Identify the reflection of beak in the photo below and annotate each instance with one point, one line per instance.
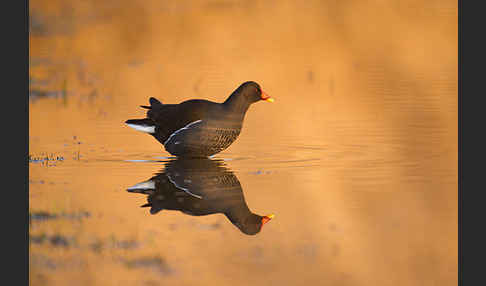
(266, 97)
(267, 218)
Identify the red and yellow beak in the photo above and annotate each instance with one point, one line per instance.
(266, 97)
(267, 218)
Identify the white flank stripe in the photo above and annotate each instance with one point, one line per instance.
(179, 130)
(147, 185)
(182, 188)
(143, 128)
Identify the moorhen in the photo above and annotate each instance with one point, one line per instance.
(200, 187)
(197, 127)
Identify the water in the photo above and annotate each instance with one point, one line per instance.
(357, 156)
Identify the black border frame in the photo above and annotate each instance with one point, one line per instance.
(459, 145)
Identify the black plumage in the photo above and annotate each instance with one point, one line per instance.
(200, 187)
(197, 127)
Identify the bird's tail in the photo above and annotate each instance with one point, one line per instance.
(144, 125)
(154, 104)
(153, 208)
(146, 187)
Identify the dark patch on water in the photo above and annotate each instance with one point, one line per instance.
(308, 250)
(205, 226)
(35, 94)
(59, 240)
(155, 263)
(254, 255)
(37, 238)
(34, 81)
(47, 25)
(44, 216)
(43, 261)
(125, 244)
(41, 216)
(99, 246)
(310, 76)
(56, 240)
(151, 283)
(38, 26)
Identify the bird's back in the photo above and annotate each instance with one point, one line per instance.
(196, 127)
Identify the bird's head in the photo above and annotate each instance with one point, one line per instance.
(253, 92)
(247, 93)
(254, 223)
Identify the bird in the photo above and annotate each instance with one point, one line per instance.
(199, 127)
(199, 187)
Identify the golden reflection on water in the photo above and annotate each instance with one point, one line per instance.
(357, 157)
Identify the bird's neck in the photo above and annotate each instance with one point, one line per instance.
(238, 213)
(237, 104)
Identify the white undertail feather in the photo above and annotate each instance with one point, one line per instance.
(147, 185)
(143, 128)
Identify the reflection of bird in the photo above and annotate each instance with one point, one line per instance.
(200, 187)
(199, 128)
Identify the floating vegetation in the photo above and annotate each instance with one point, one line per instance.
(54, 240)
(44, 159)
